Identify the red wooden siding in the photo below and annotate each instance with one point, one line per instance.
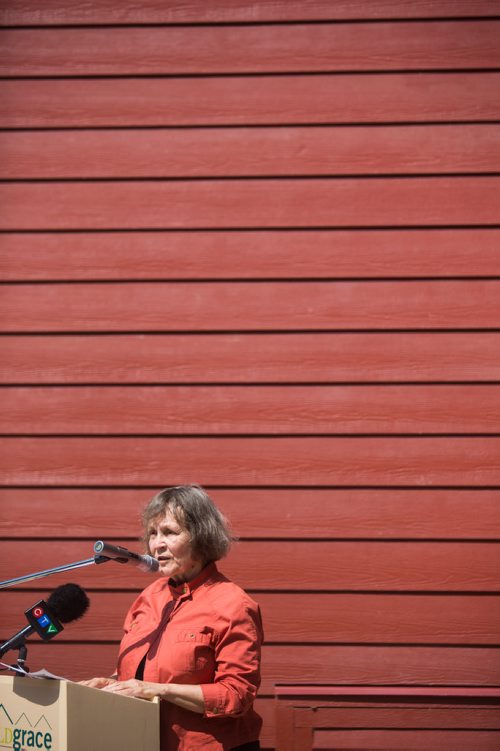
(251, 100)
(327, 717)
(258, 254)
(249, 358)
(265, 410)
(250, 49)
(255, 152)
(276, 513)
(61, 13)
(307, 461)
(412, 566)
(460, 740)
(251, 306)
(394, 618)
(256, 245)
(385, 665)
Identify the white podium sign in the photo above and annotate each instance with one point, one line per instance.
(52, 715)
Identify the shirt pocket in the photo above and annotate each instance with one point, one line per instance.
(192, 651)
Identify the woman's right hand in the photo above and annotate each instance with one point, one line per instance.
(97, 682)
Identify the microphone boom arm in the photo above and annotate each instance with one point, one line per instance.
(57, 570)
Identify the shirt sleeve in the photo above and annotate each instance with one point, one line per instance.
(237, 654)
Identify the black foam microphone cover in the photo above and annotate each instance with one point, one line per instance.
(68, 602)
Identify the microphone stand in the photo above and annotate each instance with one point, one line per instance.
(21, 668)
(23, 649)
(57, 570)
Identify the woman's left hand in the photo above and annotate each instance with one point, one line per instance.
(186, 696)
(137, 689)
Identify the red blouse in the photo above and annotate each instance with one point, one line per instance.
(207, 632)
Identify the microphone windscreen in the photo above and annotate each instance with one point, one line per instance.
(69, 602)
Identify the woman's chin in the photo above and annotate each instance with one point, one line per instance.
(166, 569)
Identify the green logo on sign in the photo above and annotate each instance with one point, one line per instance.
(19, 738)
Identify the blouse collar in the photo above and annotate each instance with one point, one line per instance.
(184, 588)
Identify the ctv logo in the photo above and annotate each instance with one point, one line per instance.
(22, 735)
(43, 621)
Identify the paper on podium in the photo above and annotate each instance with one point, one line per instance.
(36, 674)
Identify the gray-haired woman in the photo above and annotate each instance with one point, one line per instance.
(192, 638)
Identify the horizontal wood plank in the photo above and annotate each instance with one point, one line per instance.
(378, 665)
(305, 513)
(410, 740)
(429, 713)
(170, 50)
(328, 618)
(216, 204)
(240, 410)
(307, 461)
(251, 100)
(377, 618)
(299, 663)
(383, 715)
(58, 12)
(259, 254)
(252, 358)
(251, 306)
(338, 566)
(255, 152)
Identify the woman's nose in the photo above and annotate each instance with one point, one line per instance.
(159, 541)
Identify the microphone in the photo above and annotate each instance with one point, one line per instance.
(122, 555)
(65, 604)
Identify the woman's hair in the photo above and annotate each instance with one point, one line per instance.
(193, 509)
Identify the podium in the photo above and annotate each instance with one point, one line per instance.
(52, 715)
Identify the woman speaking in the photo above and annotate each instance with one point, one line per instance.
(192, 638)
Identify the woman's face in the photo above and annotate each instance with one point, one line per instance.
(170, 543)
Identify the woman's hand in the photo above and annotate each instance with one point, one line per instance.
(133, 687)
(97, 682)
(185, 696)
